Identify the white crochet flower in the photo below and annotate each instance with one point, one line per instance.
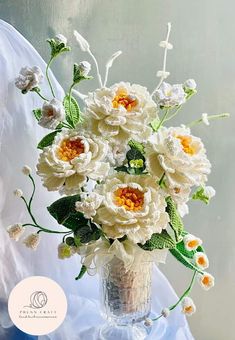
(206, 281)
(32, 241)
(178, 154)
(73, 156)
(117, 153)
(121, 112)
(52, 114)
(188, 306)
(29, 78)
(170, 95)
(15, 231)
(201, 260)
(191, 242)
(132, 206)
(89, 204)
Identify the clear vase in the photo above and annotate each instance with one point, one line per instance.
(126, 300)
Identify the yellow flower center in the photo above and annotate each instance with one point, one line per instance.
(193, 244)
(69, 149)
(188, 309)
(186, 142)
(127, 101)
(206, 280)
(201, 261)
(129, 198)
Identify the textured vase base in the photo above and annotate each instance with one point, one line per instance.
(129, 332)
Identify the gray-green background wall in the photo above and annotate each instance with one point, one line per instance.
(204, 49)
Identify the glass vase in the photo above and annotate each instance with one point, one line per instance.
(125, 300)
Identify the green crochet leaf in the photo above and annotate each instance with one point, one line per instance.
(63, 210)
(47, 140)
(176, 253)
(72, 111)
(37, 113)
(136, 145)
(155, 124)
(82, 272)
(175, 219)
(159, 241)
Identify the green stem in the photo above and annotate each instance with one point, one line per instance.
(174, 114)
(211, 117)
(42, 229)
(161, 179)
(162, 120)
(29, 210)
(70, 92)
(180, 106)
(40, 95)
(188, 290)
(32, 196)
(48, 78)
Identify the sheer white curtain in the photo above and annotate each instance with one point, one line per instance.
(19, 134)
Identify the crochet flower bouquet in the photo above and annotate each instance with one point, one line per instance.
(125, 180)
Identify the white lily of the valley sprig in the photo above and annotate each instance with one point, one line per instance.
(85, 47)
(109, 64)
(163, 74)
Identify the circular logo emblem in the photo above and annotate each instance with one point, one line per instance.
(37, 305)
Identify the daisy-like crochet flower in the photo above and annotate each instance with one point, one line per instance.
(201, 260)
(170, 95)
(132, 206)
(52, 114)
(206, 281)
(191, 242)
(121, 112)
(188, 306)
(73, 156)
(180, 155)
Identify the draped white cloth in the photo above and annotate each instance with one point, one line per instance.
(19, 134)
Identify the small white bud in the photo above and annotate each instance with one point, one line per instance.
(26, 170)
(32, 241)
(61, 39)
(165, 312)
(205, 119)
(15, 231)
(166, 44)
(163, 74)
(209, 191)
(18, 193)
(84, 68)
(190, 84)
(148, 322)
